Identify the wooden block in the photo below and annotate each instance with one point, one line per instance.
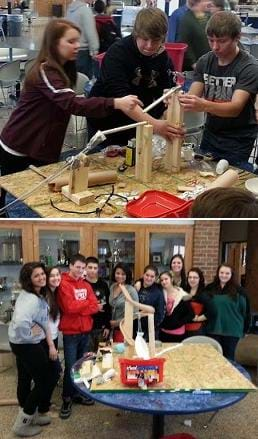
(128, 320)
(144, 153)
(138, 158)
(79, 175)
(80, 198)
(151, 335)
(181, 188)
(175, 115)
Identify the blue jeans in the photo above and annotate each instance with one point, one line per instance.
(74, 347)
(236, 151)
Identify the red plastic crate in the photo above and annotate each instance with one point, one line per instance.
(158, 204)
(132, 369)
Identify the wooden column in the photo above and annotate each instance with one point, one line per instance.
(143, 166)
(76, 190)
(175, 115)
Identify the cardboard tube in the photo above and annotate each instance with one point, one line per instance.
(6, 402)
(95, 179)
(225, 180)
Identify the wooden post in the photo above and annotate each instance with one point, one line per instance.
(151, 335)
(138, 156)
(126, 324)
(175, 116)
(143, 167)
(79, 175)
(76, 190)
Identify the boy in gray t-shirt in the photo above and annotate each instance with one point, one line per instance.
(225, 85)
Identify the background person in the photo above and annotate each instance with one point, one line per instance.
(27, 336)
(101, 320)
(140, 65)
(199, 302)
(231, 310)
(77, 303)
(121, 275)
(192, 32)
(53, 282)
(174, 23)
(150, 293)
(177, 268)
(108, 31)
(81, 14)
(178, 311)
(225, 86)
(35, 131)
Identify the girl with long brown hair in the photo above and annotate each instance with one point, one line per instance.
(230, 310)
(36, 129)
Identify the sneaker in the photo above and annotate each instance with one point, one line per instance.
(66, 409)
(84, 400)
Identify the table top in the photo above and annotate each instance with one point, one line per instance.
(165, 403)
(19, 183)
(17, 54)
(24, 42)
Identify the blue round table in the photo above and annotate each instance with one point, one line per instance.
(161, 403)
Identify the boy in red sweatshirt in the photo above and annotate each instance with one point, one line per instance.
(77, 303)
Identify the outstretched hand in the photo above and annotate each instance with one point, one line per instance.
(168, 131)
(127, 103)
(192, 102)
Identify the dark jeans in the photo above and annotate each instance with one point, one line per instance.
(235, 150)
(55, 372)
(10, 164)
(32, 364)
(228, 344)
(84, 63)
(95, 337)
(74, 347)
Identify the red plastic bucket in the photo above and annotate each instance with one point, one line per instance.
(176, 52)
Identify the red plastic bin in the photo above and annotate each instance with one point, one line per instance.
(150, 370)
(176, 52)
(158, 204)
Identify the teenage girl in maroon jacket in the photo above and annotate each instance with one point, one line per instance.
(36, 129)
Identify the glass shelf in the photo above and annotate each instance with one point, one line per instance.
(56, 248)
(114, 247)
(163, 246)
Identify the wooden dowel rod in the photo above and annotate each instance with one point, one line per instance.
(123, 128)
(37, 171)
(134, 125)
(161, 98)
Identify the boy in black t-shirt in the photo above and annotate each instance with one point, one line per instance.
(101, 320)
(225, 85)
(137, 64)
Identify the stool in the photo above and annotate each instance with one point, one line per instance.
(247, 350)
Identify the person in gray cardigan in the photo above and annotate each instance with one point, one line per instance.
(80, 13)
(32, 346)
(121, 275)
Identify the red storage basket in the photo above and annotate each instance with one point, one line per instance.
(132, 369)
(158, 204)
